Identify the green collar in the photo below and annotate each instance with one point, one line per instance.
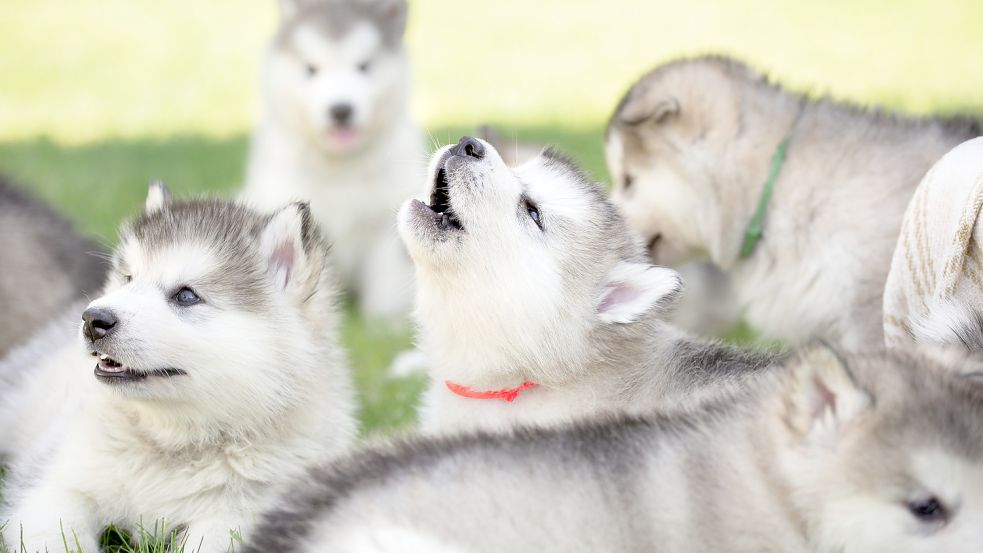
(755, 230)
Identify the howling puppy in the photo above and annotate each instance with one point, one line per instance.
(535, 302)
(825, 454)
(218, 380)
(799, 201)
(336, 131)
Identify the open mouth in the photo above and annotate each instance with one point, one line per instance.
(440, 203)
(111, 370)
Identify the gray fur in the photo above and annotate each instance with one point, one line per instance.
(335, 18)
(47, 264)
(231, 230)
(840, 195)
(706, 480)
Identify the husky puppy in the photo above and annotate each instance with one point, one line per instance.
(827, 455)
(218, 380)
(46, 265)
(690, 148)
(535, 302)
(336, 131)
(707, 307)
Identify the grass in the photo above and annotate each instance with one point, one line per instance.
(99, 96)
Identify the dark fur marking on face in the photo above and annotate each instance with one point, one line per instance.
(230, 232)
(338, 17)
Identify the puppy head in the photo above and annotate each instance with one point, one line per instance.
(336, 71)
(211, 305)
(668, 136)
(521, 269)
(885, 453)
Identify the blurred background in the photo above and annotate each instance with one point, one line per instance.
(98, 96)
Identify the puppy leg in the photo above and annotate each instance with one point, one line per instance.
(48, 518)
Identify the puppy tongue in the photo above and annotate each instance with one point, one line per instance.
(344, 136)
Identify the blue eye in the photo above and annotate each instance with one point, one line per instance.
(928, 510)
(533, 212)
(186, 297)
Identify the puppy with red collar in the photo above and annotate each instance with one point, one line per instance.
(536, 303)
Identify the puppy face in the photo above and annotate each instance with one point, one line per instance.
(207, 305)
(525, 262)
(337, 72)
(888, 453)
(658, 192)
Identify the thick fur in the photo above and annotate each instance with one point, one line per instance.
(573, 306)
(690, 148)
(261, 396)
(825, 456)
(952, 324)
(47, 264)
(339, 52)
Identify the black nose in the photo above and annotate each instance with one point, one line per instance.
(469, 146)
(98, 323)
(341, 113)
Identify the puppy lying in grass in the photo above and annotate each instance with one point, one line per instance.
(825, 455)
(217, 380)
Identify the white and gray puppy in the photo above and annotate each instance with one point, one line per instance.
(336, 131)
(827, 455)
(690, 148)
(707, 306)
(219, 380)
(47, 265)
(536, 303)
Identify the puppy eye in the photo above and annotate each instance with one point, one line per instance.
(533, 212)
(311, 70)
(628, 181)
(365, 66)
(186, 297)
(127, 278)
(928, 510)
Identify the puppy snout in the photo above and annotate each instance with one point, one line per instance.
(341, 113)
(98, 323)
(469, 146)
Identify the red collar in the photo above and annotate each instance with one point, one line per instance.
(507, 394)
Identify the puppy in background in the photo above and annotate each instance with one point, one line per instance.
(47, 265)
(799, 201)
(336, 131)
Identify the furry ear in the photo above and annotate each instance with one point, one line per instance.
(633, 289)
(283, 244)
(392, 16)
(823, 395)
(644, 107)
(158, 197)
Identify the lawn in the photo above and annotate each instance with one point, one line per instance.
(100, 96)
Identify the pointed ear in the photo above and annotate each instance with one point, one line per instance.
(648, 106)
(158, 197)
(283, 244)
(392, 16)
(823, 395)
(634, 289)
